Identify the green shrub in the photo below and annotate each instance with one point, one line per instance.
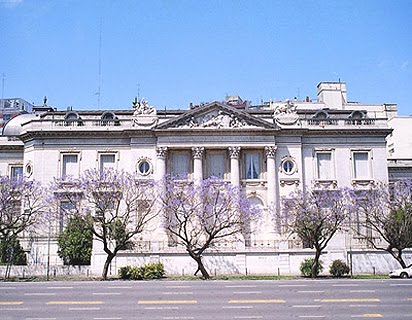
(75, 242)
(306, 267)
(125, 272)
(148, 271)
(338, 268)
(11, 252)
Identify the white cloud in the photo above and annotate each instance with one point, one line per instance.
(10, 3)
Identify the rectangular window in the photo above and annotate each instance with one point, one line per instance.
(180, 165)
(107, 161)
(67, 208)
(361, 165)
(16, 172)
(324, 165)
(216, 165)
(252, 165)
(70, 166)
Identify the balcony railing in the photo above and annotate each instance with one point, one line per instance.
(345, 122)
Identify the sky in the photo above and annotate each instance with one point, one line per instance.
(101, 54)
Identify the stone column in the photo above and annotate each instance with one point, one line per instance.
(234, 166)
(161, 163)
(197, 153)
(271, 175)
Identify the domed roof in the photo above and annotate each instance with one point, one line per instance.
(13, 127)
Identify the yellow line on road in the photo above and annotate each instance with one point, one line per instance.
(167, 302)
(258, 301)
(351, 300)
(372, 315)
(74, 302)
(10, 303)
(409, 299)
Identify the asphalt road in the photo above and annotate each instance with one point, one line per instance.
(174, 300)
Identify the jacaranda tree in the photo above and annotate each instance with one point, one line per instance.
(22, 204)
(116, 205)
(315, 216)
(200, 215)
(385, 213)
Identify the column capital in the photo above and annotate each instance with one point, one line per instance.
(197, 152)
(234, 152)
(161, 152)
(270, 151)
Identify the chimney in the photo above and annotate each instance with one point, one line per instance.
(332, 94)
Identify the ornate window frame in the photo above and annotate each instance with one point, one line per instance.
(288, 165)
(141, 161)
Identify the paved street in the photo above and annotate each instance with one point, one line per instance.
(167, 300)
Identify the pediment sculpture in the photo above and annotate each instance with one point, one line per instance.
(216, 119)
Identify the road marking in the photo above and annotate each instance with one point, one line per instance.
(237, 307)
(310, 291)
(10, 303)
(7, 288)
(363, 305)
(177, 292)
(293, 285)
(167, 302)
(307, 306)
(258, 301)
(84, 309)
(107, 318)
(241, 286)
(14, 309)
(409, 299)
(162, 308)
(177, 287)
(368, 315)
(106, 293)
(40, 318)
(58, 288)
(178, 318)
(120, 287)
(345, 285)
(400, 284)
(40, 294)
(362, 291)
(73, 302)
(246, 292)
(311, 316)
(248, 317)
(350, 300)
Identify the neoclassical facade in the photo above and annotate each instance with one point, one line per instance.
(267, 150)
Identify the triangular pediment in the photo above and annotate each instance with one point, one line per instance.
(216, 116)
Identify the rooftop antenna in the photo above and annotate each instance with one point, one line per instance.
(3, 75)
(138, 91)
(100, 65)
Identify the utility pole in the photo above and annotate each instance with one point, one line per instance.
(100, 66)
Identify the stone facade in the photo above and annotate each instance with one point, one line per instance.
(268, 150)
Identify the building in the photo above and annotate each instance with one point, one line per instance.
(268, 150)
(12, 107)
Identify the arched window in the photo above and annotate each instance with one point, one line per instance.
(71, 116)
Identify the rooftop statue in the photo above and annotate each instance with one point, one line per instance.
(142, 107)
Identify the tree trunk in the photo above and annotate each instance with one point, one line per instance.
(200, 266)
(107, 265)
(315, 266)
(398, 257)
